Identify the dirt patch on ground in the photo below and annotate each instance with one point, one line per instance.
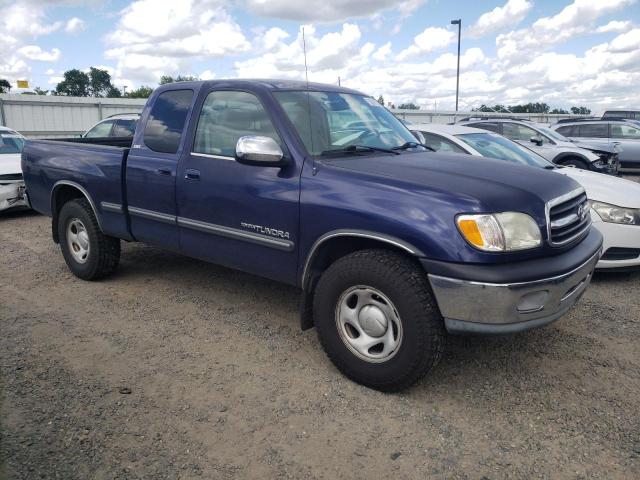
(174, 368)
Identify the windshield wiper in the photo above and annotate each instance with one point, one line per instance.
(359, 148)
(406, 146)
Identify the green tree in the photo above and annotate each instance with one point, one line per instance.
(580, 110)
(96, 83)
(381, 100)
(76, 83)
(530, 108)
(180, 78)
(39, 91)
(559, 110)
(140, 92)
(409, 106)
(5, 86)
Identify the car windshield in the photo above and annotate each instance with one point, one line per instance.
(11, 142)
(332, 122)
(553, 134)
(495, 146)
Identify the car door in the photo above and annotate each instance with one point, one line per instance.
(245, 217)
(629, 137)
(593, 134)
(151, 170)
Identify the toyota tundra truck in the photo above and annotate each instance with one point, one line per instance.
(392, 245)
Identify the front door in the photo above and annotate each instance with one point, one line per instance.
(244, 217)
(152, 167)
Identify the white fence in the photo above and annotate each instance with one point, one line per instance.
(50, 117)
(44, 116)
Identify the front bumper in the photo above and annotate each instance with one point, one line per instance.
(12, 195)
(483, 307)
(617, 238)
(609, 164)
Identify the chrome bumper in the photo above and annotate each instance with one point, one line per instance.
(493, 308)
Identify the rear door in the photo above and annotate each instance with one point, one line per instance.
(241, 216)
(628, 135)
(152, 167)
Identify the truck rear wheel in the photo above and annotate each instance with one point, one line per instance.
(377, 319)
(89, 253)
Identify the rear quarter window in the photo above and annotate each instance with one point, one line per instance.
(568, 131)
(594, 130)
(166, 121)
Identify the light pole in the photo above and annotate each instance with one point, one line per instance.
(459, 23)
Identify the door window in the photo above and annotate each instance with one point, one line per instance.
(625, 131)
(101, 130)
(225, 117)
(491, 126)
(568, 131)
(441, 144)
(519, 133)
(124, 128)
(594, 130)
(167, 120)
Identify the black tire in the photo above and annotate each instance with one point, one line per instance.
(103, 252)
(576, 162)
(407, 288)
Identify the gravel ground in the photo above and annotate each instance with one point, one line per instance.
(174, 368)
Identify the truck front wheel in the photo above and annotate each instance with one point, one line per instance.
(89, 253)
(377, 319)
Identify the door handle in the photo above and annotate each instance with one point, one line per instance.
(163, 171)
(192, 174)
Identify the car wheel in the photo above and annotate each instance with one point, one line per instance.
(576, 162)
(89, 253)
(377, 319)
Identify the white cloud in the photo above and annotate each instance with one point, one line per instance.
(383, 52)
(168, 34)
(575, 19)
(207, 75)
(615, 26)
(74, 25)
(512, 13)
(430, 40)
(21, 23)
(34, 52)
(327, 10)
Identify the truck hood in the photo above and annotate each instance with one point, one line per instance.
(494, 184)
(10, 163)
(605, 188)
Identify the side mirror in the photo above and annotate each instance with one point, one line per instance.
(537, 140)
(419, 136)
(260, 151)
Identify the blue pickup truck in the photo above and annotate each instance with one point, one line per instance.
(392, 245)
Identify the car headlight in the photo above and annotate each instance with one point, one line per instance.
(614, 214)
(500, 232)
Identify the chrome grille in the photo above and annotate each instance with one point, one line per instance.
(568, 218)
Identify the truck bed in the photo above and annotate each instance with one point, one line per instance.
(94, 165)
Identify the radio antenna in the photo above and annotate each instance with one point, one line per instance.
(304, 49)
(306, 74)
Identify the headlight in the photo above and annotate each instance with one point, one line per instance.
(614, 214)
(500, 232)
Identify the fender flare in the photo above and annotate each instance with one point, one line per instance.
(381, 237)
(82, 190)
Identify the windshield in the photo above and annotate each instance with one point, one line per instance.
(496, 146)
(11, 142)
(329, 122)
(553, 134)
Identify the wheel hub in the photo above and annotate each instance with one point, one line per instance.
(368, 324)
(78, 240)
(373, 320)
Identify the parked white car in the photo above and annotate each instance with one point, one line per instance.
(615, 202)
(11, 181)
